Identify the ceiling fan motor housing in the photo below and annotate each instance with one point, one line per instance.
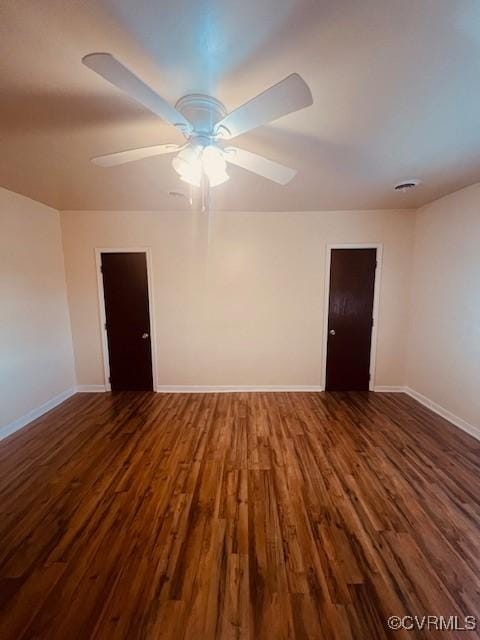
(203, 112)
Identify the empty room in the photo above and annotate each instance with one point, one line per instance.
(239, 319)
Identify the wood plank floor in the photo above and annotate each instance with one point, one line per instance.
(287, 515)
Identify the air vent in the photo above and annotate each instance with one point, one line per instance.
(407, 185)
(176, 194)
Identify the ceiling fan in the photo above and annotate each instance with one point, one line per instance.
(203, 120)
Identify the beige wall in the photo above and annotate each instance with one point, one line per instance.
(444, 343)
(36, 360)
(246, 308)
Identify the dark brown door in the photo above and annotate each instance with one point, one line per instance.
(125, 286)
(350, 319)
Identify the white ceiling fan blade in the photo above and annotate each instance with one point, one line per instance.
(130, 155)
(114, 72)
(258, 164)
(289, 95)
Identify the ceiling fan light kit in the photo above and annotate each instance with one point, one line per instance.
(206, 125)
(201, 160)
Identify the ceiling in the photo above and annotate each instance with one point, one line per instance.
(396, 88)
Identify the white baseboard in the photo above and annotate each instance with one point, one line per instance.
(90, 388)
(436, 408)
(171, 388)
(167, 388)
(444, 413)
(100, 388)
(35, 413)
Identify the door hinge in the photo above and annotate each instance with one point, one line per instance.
(109, 379)
(373, 322)
(105, 326)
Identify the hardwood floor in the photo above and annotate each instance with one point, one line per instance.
(287, 515)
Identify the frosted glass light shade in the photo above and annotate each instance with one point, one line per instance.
(194, 161)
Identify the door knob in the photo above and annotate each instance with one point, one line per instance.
(144, 336)
(332, 332)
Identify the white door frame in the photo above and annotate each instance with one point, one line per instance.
(376, 305)
(101, 306)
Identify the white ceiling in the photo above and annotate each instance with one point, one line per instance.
(396, 88)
